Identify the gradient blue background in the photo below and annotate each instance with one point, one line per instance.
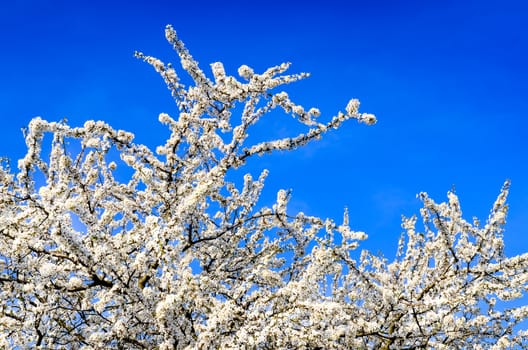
(447, 81)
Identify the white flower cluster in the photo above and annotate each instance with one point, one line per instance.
(180, 255)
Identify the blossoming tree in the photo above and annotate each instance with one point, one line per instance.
(180, 256)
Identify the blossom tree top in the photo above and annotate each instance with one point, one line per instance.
(178, 256)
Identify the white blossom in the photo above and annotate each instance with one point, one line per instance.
(245, 72)
(352, 106)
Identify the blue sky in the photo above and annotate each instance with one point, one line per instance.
(447, 82)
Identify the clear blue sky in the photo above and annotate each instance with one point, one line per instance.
(448, 83)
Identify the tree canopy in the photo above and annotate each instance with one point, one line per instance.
(180, 255)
